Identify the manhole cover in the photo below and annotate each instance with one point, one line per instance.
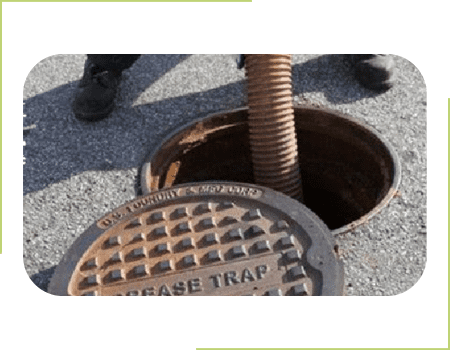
(213, 238)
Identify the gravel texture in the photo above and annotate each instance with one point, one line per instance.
(76, 172)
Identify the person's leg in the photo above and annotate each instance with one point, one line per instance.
(374, 72)
(113, 62)
(94, 98)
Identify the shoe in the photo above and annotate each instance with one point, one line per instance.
(374, 72)
(240, 61)
(95, 95)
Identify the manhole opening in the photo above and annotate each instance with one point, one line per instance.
(348, 171)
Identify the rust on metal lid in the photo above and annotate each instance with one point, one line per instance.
(213, 238)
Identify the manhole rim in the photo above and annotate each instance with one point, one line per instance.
(323, 242)
(396, 164)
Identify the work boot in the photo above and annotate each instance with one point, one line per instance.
(95, 95)
(240, 61)
(374, 72)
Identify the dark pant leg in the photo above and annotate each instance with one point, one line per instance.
(116, 63)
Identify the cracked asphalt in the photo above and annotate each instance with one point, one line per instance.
(76, 172)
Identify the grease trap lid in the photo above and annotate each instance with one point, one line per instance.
(212, 238)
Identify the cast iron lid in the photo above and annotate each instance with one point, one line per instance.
(212, 238)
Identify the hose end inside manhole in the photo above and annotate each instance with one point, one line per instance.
(349, 172)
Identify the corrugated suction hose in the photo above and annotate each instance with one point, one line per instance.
(273, 139)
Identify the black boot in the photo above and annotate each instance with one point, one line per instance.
(94, 98)
(374, 72)
(240, 61)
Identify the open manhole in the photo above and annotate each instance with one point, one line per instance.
(214, 238)
(348, 171)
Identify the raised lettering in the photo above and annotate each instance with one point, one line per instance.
(164, 291)
(148, 291)
(216, 280)
(261, 270)
(179, 288)
(190, 190)
(244, 191)
(210, 189)
(117, 215)
(247, 276)
(230, 278)
(218, 189)
(144, 201)
(195, 285)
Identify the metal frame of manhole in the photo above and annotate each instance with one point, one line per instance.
(163, 166)
(212, 238)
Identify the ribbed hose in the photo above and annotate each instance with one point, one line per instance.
(273, 140)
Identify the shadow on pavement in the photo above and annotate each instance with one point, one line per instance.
(332, 75)
(61, 146)
(42, 278)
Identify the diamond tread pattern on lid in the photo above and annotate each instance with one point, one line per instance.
(198, 245)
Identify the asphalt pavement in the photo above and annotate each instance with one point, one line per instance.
(76, 172)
